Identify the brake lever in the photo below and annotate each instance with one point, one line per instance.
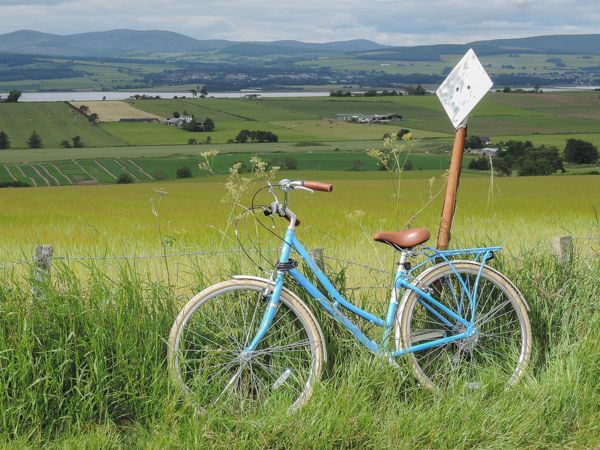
(272, 191)
(304, 189)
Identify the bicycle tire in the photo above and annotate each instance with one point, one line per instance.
(276, 369)
(414, 320)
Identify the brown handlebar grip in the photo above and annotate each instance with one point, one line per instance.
(318, 186)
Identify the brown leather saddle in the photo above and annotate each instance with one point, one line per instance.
(405, 239)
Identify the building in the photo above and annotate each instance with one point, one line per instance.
(365, 118)
(178, 121)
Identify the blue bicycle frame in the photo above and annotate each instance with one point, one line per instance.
(447, 316)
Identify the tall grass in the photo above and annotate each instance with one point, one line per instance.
(83, 365)
(83, 361)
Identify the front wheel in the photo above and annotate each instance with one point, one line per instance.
(207, 341)
(500, 345)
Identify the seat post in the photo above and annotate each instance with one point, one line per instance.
(404, 255)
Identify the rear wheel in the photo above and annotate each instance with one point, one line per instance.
(499, 348)
(207, 340)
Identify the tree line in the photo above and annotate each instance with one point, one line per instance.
(525, 159)
(35, 141)
(258, 136)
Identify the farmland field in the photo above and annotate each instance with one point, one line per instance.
(503, 213)
(113, 111)
(102, 324)
(53, 121)
(106, 169)
(82, 354)
(550, 117)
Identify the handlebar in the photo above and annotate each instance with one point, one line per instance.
(289, 185)
(286, 185)
(281, 212)
(318, 186)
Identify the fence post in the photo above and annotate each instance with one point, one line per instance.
(42, 260)
(318, 255)
(562, 247)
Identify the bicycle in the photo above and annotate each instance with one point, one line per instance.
(251, 340)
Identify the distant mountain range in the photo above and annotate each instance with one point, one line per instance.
(126, 43)
(576, 44)
(136, 43)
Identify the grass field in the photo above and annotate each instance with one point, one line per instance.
(86, 367)
(106, 170)
(550, 117)
(53, 121)
(497, 64)
(194, 207)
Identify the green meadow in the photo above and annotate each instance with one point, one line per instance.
(53, 121)
(83, 353)
(550, 117)
(86, 366)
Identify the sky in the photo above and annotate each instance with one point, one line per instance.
(406, 22)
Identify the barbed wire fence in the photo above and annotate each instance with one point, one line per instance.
(565, 249)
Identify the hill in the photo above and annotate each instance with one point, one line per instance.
(124, 42)
(583, 44)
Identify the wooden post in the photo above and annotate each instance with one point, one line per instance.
(318, 255)
(42, 260)
(562, 247)
(453, 180)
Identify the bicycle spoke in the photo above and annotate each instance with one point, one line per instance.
(495, 344)
(215, 370)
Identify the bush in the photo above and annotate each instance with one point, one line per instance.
(16, 184)
(482, 163)
(195, 126)
(13, 96)
(540, 161)
(209, 124)
(401, 133)
(580, 152)
(419, 90)
(77, 142)
(287, 163)
(125, 178)
(4, 140)
(526, 159)
(474, 142)
(259, 136)
(34, 141)
(159, 174)
(184, 172)
(356, 166)
(192, 141)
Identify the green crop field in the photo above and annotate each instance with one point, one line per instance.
(551, 117)
(499, 114)
(53, 121)
(506, 212)
(106, 170)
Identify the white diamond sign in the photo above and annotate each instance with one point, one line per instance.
(464, 87)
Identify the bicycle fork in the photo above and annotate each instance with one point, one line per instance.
(268, 315)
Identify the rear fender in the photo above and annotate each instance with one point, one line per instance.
(426, 272)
